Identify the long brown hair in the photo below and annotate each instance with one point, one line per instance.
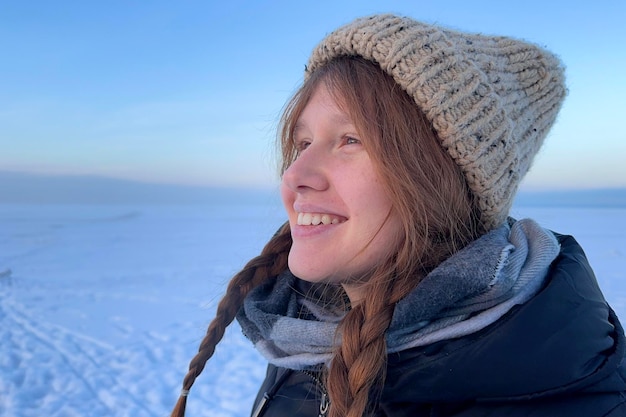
(429, 195)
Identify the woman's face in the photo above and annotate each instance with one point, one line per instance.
(341, 218)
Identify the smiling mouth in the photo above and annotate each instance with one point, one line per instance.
(314, 219)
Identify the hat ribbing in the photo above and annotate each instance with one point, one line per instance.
(491, 100)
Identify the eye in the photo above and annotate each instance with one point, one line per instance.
(301, 145)
(350, 140)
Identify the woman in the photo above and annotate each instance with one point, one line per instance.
(399, 286)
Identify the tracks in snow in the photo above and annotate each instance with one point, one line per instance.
(49, 370)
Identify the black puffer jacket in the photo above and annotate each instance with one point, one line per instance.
(559, 355)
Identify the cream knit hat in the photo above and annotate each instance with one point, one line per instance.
(491, 99)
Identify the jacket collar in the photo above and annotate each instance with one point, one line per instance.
(566, 338)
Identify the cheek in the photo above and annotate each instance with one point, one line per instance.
(382, 219)
(392, 233)
(369, 195)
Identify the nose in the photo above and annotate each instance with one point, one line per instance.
(307, 172)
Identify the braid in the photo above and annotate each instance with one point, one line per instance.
(271, 262)
(359, 363)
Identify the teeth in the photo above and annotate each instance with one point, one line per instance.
(315, 219)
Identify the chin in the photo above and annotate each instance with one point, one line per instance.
(306, 273)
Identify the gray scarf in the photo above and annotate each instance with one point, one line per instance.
(467, 292)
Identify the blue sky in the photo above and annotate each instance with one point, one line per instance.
(189, 92)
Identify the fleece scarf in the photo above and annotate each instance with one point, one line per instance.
(467, 292)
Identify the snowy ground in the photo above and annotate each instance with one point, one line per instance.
(101, 307)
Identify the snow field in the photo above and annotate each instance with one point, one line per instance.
(102, 307)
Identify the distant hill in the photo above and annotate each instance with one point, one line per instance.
(64, 189)
(25, 188)
(593, 198)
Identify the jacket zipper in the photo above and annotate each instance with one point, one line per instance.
(324, 401)
(268, 395)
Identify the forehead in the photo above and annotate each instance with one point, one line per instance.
(324, 105)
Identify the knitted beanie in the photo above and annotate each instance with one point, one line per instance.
(490, 99)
